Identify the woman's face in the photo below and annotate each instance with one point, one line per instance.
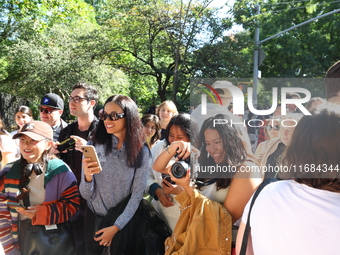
(176, 134)
(32, 150)
(214, 145)
(149, 129)
(115, 127)
(165, 114)
(22, 118)
(273, 129)
(287, 132)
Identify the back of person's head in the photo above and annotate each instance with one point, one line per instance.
(90, 92)
(316, 142)
(332, 81)
(169, 104)
(186, 125)
(134, 139)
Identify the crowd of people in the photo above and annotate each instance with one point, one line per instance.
(200, 176)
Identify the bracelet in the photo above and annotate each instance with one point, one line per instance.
(167, 150)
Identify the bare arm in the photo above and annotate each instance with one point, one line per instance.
(241, 189)
(239, 239)
(161, 163)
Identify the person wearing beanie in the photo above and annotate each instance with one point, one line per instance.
(51, 108)
(47, 190)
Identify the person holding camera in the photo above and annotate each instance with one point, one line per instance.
(221, 147)
(180, 130)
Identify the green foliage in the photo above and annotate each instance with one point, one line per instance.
(307, 51)
(54, 62)
(156, 39)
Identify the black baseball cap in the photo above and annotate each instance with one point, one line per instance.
(52, 100)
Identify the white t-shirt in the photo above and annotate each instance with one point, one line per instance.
(169, 214)
(211, 193)
(293, 218)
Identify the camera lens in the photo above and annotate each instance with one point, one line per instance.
(179, 169)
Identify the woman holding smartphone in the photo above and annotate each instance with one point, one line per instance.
(119, 143)
(46, 187)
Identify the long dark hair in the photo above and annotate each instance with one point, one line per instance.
(235, 153)
(134, 139)
(186, 124)
(315, 141)
(153, 118)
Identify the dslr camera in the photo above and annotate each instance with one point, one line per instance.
(179, 169)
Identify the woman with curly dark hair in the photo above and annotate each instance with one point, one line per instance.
(221, 147)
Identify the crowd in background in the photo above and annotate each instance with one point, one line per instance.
(58, 187)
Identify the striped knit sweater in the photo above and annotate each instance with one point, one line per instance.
(61, 200)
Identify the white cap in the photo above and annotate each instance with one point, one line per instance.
(222, 92)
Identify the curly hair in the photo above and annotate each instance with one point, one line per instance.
(232, 144)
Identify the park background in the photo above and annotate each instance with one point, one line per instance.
(150, 49)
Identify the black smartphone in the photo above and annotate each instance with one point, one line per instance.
(15, 205)
(66, 145)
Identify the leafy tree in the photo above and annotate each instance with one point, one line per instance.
(157, 39)
(307, 51)
(54, 62)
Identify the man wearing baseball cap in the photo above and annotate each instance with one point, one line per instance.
(51, 108)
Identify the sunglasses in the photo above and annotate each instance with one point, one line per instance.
(112, 116)
(276, 127)
(76, 99)
(47, 110)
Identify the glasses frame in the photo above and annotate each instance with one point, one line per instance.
(113, 116)
(28, 142)
(77, 99)
(47, 110)
(275, 127)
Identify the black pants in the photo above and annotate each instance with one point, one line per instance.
(77, 223)
(88, 229)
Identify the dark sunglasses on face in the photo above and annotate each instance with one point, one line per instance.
(46, 110)
(76, 99)
(276, 127)
(112, 116)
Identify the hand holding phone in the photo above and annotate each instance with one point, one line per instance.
(68, 144)
(14, 205)
(90, 152)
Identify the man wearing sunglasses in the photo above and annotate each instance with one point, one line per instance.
(51, 108)
(82, 102)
